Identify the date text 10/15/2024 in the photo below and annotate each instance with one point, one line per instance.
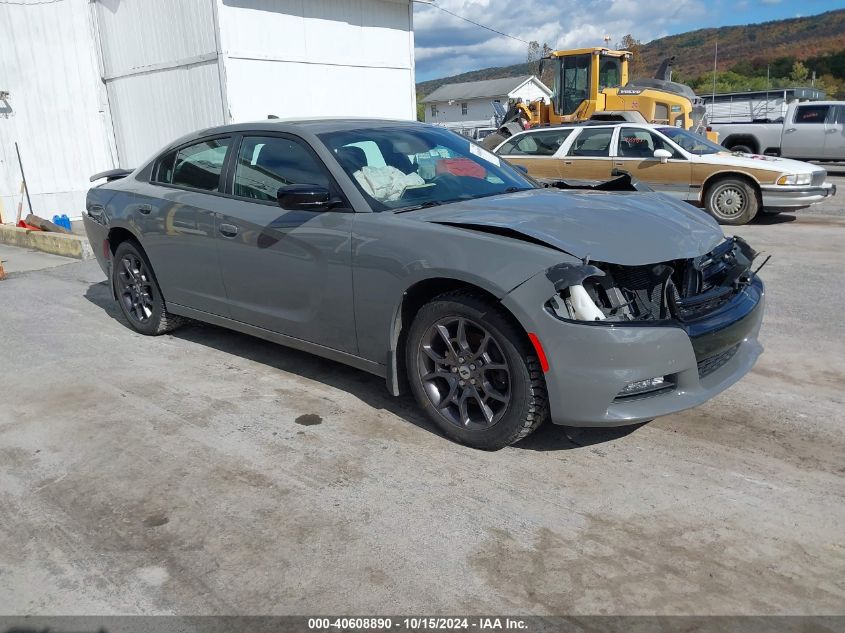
(417, 623)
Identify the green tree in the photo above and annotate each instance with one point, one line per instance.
(834, 87)
(799, 73)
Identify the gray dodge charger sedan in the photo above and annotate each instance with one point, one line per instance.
(412, 253)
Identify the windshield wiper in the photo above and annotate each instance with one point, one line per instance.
(422, 205)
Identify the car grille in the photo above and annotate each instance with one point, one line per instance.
(708, 365)
(818, 178)
(648, 293)
(702, 305)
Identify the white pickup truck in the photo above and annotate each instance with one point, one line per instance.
(812, 130)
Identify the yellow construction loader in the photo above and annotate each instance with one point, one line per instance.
(588, 81)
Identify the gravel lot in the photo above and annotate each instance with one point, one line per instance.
(207, 472)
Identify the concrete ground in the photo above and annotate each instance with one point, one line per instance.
(17, 260)
(207, 472)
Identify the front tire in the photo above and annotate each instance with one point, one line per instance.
(138, 293)
(742, 149)
(731, 201)
(473, 372)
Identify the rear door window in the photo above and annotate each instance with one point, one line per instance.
(535, 144)
(592, 142)
(811, 114)
(199, 166)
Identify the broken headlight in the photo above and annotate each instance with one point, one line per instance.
(611, 293)
(682, 290)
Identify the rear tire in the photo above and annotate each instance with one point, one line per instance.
(473, 372)
(731, 201)
(138, 294)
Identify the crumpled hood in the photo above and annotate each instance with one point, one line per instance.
(630, 229)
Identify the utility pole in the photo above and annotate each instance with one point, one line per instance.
(715, 62)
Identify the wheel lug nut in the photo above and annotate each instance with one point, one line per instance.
(461, 360)
(461, 383)
(472, 366)
(472, 381)
(454, 370)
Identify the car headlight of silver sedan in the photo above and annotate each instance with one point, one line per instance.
(795, 179)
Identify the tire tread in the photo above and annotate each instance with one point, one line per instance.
(167, 320)
(538, 406)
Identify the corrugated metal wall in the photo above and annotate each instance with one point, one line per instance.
(318, 58)
(139, 34)
(151, 110)
(107, 83)
(57, 111)
(160, 66)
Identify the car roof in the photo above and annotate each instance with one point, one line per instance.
(311, 125)
(593, 124)
(315, 125)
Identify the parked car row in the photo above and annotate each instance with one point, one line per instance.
(732, 187)
(410, 252)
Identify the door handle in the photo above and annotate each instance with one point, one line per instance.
(228, 230)
(792, 129)
(145, 209)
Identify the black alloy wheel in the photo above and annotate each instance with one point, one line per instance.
(134, 288)
(474, 372)
(464, 373)
(138, 293)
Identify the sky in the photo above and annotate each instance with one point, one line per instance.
(446, 45)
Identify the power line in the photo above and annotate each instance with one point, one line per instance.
(460, 17)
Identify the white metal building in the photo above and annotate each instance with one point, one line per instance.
(96, 84)
(469, 105)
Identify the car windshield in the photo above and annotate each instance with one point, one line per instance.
(404, 167)
(691, 142)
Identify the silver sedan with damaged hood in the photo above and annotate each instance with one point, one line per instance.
(410, 252)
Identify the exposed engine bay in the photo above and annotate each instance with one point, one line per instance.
(680, 290)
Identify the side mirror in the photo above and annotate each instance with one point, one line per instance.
(663, 154)
(305, 198)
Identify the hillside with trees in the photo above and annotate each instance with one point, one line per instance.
(787, 51)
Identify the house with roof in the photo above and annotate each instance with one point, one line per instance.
(469, 105)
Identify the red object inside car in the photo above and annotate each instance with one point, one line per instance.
(460, 167)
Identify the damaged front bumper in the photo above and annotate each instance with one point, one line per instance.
(591, 364)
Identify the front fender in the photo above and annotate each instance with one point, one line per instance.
(445, 279)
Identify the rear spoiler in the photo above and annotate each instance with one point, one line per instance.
(111, 174)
